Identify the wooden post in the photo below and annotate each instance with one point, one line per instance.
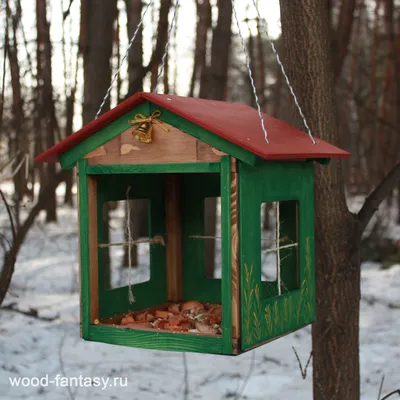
(93, 248)
(226, 253)
(174, 237)
(235, 252)
(84, 249)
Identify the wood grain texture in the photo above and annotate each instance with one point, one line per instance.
(79, 247)
(226, 254)
(173, 146)
(107, 133)
(100, 151)
(174, 237)
(205, 135)
(207, 153)
(156, 340)
(235, 252)
(93, 248)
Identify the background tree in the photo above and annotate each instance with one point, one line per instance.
(97, 51)
(338, 232)
(46, 114)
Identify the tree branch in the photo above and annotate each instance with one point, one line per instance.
(10, 256)
(32, 312)
(391, 394)
(66, 13)
(375, 198)
(10, 216)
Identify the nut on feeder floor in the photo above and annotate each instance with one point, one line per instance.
(176, 152)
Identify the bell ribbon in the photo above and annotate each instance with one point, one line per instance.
(140, 118)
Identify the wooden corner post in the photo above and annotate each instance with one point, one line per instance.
(174, 237)
(88, 248)
(235, 251)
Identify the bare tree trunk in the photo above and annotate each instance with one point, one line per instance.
(162, 37)
(306, 32)
(397, 100)
(46, 106)
(97, 52)
(135, 57)
(203, 26)
(4, 66)
(18, 236)
(335, 334)
(251, 53)
(220, 52)
(260, 76)
(17, 144)
(343, 34)
(69, 118)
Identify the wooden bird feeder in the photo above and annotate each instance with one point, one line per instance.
(176, 152)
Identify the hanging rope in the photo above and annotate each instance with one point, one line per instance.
(283, 72)
(250, 73)
(154, 240)
(287, 246)
(164, 57)
(123, 59)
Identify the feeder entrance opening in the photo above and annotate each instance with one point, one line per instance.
(174, 239)
(279, 247)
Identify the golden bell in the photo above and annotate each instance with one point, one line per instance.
(142, 132)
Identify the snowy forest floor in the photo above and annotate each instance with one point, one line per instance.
(46, 279)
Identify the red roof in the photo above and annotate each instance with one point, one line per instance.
(235, 122)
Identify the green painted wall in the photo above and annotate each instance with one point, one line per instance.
(264, 314)
(195, 188)
(153, 292)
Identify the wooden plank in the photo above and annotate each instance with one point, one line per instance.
(226, 254)
(149, 329)
(207, 153)
(153, 168)
(117, 127)
(206, 136)
(84, 248)
(152, 292)
(69, 158)
(93, 249)
(235, 252)
(172, 146)
(79, 246)
(174, 237)
(115, 321)
(156, 340)
(100, 151)
(265, 314)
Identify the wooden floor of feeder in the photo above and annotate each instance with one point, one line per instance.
(193, 318)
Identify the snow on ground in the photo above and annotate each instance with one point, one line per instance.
(46, 278)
